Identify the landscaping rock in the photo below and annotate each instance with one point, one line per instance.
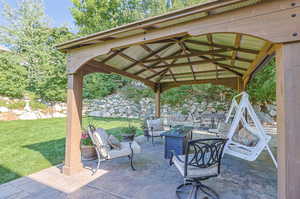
(3, 109)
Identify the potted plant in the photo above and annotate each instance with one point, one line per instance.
(88, 151)
(129, 132)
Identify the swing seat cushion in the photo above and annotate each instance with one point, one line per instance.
(245, 137)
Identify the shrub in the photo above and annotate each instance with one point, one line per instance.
(16, 105)
(37, 105)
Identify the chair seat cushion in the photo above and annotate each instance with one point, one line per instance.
(100, 137)
(245, 137)
(125, 150)
(114, 143)
(156, 125)
(192, 171)
(155, 133)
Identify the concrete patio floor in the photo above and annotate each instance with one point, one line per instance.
(153, 179)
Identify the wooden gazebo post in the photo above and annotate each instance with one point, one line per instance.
(288, 114)
(74, 107)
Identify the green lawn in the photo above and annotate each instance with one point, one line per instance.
(27, 146)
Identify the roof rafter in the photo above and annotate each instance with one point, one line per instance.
(148, 56)
(237, 43)
(173, 62)
(188, 55)
(134, 61)
(188, 58)
(210, 41)
(245, 50)
(207, 60)
(115, 53)
(163, 61)
(198, 72)
(109, 68)
(225, 57)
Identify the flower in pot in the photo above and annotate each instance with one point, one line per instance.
(88, 151)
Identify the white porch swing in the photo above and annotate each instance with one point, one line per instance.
(235, 118)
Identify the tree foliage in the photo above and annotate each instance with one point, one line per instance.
(27, 32)
(12, 75)
(262, 87)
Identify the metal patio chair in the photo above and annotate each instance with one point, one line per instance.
(201, 161)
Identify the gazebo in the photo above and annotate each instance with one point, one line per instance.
(222, 42)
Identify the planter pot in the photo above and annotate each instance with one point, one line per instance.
(88, 153)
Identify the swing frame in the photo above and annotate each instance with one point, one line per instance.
(239, 150)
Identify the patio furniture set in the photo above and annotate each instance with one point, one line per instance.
(195, 159)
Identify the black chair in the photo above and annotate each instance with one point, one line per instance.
(201, 162)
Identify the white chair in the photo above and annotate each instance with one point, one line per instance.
(155, 128)
(104, 152)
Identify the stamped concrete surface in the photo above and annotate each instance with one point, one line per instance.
(153, 179)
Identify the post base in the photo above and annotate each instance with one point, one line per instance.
(69, 171)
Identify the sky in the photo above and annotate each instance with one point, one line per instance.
(57, 10)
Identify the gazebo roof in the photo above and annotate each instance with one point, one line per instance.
(183, 58)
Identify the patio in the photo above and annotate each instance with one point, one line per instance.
(154, 178)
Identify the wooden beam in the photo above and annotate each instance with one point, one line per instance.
(238, 38)
(198, 72)
(163, 61)
(229, 82)
(210, 41)
(188, 59)
(91, 69)
(224, 66)
(158, 73)
(229, 68)
(245, 50)
(193, 63)
(236, 58)
(121, 72)
(259, 58)
(196, 54)
(147, 57)
(115, 53)
(194, 51)
(143, 70)
(134, 61)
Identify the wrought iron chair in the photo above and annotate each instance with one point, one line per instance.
(99, 139)
(201, 162)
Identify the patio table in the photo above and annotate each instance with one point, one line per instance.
(176, 140)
